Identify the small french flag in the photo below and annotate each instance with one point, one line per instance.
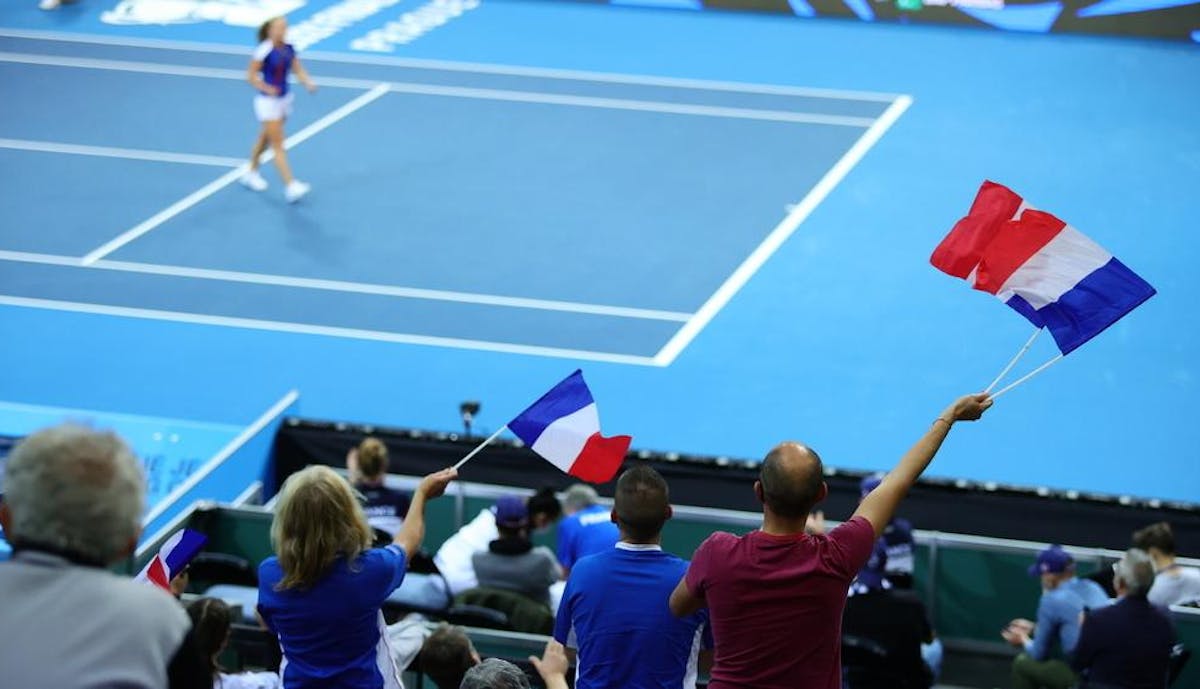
(564, 428)
(172, 558)
(1041, 267)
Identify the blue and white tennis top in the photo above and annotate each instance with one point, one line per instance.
(276, 63)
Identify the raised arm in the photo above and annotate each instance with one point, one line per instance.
(413, 532)
(880, 504)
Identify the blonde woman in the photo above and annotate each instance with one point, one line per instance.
(321, 593)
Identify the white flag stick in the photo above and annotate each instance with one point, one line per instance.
(1027, 376)
(482, 445)
(1015, 359)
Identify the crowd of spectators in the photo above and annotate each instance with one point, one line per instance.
(775, 608)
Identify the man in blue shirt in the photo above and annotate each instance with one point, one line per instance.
(587, 528)
(614, 609)
(1064, 600)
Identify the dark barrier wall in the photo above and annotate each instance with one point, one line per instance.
(1177, 19)
(950, 506)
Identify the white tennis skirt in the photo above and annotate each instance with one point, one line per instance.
(272, 108)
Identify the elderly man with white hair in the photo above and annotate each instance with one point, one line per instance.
(72, 507)
(587, 527)
(1126, 645)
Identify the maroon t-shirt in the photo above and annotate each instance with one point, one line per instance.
(775, 604)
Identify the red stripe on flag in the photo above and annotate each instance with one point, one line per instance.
(960, 251)
(601, 458)
(1021, 239)
(157, 574)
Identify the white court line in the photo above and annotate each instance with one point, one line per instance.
(228, 178)
(328, 331)
(352, 287)
(222, 456)
(471, 67)
(125, 153)
(781, 233)
(463, 92)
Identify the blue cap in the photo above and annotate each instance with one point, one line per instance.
(511, 511)
(1052, 560)
(869, 483)
(873, 575)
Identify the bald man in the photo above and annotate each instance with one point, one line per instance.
(775, 596)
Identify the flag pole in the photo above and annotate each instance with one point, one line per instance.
(480, 447)
(1014, 360)
(1027, 376)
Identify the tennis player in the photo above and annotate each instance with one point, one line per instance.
(268, 74)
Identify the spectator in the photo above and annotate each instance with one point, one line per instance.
(614, 608)
(211, 622)
(775, 596)
(512, 562)
(1064, 600)
(447, 656)
(897, 538)
(494, 673)
(1128, 644)
(587, 528)
(454, 558)
(321, 593)
(897, 621)
(385, 507)
(73, 502)
(1174, 584)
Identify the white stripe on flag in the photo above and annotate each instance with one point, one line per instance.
(1055, 269)
(563, 440)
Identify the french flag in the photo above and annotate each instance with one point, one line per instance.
(172, 558)
(564, 428)
(1043, 268)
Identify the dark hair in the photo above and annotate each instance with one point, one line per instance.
(265, 29)
(791, 491)
(1155, 536)
(446, 656)
(544, 502)
(642, 503)
(372, 458)
(210, 629)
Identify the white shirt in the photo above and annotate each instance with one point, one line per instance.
(454, 558)
(248, 680)
(1175, 586)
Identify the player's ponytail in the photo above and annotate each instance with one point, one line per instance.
(265, 29)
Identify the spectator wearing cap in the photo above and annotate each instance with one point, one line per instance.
(897, 538)
(72, 508)
(512, 562)
(1064, 600)
(1174, 583)
(454, 558)
(1128, 644)
(615, 610)
(586, 529)
(897, 621)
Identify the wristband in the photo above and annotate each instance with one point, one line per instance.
(946, 421)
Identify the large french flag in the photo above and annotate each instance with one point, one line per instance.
(1044, 269)
(564, 428)
(172, 558)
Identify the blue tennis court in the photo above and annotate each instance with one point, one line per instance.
(724, 218)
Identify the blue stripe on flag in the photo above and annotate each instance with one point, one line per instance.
(1098, 301)
(1017, 303)
(566, 398)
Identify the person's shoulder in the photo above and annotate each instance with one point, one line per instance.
(263, 49)
(155, 610)
(270, 569)
(596, 562)
(720, 541)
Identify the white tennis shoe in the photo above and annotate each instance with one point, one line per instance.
(296, 191)
(254, 180)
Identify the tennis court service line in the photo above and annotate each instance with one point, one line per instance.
(123, 153)
(230, 177)
(782, 232)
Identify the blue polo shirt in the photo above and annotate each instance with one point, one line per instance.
(1058, 616)
(331, 633)
(614, 610)
(587, 532)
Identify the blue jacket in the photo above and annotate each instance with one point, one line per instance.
(1059, 613)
